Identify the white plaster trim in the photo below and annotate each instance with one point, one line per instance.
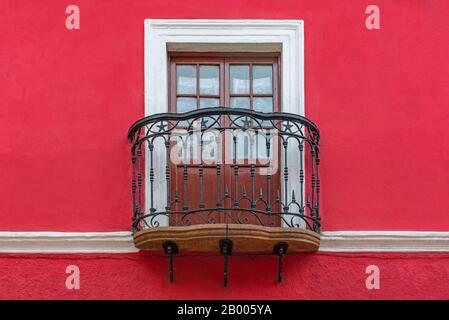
(122, 242)
(66, 242)
(159, 33)
(384, 241)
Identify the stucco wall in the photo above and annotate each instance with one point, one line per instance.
(379, 97)
(306, 276)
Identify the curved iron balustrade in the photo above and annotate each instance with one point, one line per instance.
(159, 138)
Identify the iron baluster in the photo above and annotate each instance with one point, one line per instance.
(316, 224)
(252, 171)
(236, 173)
(313, 184)
(139, 177)
(151, 148)
(135, 219)
(218, 168)
(184, 179)
(167, 174)
(301, 175)
(285, 145)
(200, 172)
(268, 145)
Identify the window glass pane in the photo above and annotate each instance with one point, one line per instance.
(239, 78)
(263, 105)
(262, 79)
(240, 102)
(209, 102)
(187, 148)
(185, 104)
(209, 80)
(242, 145)
(186, 79)
(261, 147)
(210, 148)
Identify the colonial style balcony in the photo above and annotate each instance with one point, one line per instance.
(225, 180)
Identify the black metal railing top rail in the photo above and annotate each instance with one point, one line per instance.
(225, 165)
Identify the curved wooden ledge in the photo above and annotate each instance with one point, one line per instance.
(246, 238)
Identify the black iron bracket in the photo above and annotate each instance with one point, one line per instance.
(170, 248)
(280, 249)
(225, 250)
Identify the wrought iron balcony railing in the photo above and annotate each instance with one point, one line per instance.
(224, 165)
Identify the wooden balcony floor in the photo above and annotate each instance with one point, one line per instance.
(246, 238)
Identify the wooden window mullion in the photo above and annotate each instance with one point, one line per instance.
(197, 86)
(251, 105)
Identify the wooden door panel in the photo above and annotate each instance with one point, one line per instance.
(189, 195)
(254, 197)
(193, 196)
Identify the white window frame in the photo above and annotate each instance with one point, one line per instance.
(229, 35)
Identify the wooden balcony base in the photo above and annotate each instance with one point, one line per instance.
(246, 238)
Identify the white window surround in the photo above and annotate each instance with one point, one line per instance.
(160, 33)
(230, 35)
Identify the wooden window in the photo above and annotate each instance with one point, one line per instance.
(230, 81)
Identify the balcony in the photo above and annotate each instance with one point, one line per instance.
(225, 179)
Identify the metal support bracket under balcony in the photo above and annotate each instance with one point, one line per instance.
(225, 250)
(170, 248)
(280, 249)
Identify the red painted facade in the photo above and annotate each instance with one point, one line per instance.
(307, 276)
(379, 97)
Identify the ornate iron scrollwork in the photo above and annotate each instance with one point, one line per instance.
(291, 190)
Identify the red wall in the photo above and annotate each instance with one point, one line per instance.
(380, 98)
(306, 276)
